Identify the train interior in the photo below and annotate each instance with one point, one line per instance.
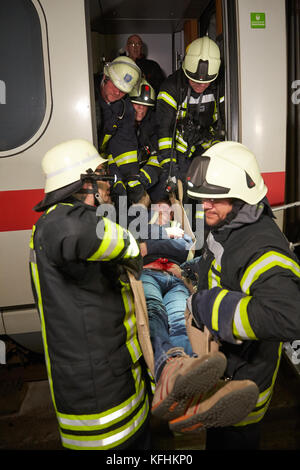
(166, 28)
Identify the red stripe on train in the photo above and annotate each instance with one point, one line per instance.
(17, 209)
(276, 187)
(17, 213)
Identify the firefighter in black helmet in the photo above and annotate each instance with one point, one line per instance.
(144, 101)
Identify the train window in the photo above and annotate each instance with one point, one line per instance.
(23, 90)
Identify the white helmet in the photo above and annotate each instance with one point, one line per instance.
(226, 170)
(65, 163)
(143, 93)
(123, 72)
(202, 60)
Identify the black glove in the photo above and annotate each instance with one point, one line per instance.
(119, 189)
(135, 193)
(133, 265)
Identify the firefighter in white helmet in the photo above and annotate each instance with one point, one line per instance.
(77, 264)
(115, 124)
(248, 292)
(189, 108)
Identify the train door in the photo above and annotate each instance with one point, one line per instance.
(45, 98)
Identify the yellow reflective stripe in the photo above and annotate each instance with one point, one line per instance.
(241, 325)
(165, 143)
(146, 174)
(181, 148)
(193, 148)
(100, 421)
(180, 139)
(215, 311)
(127, 157)
(108, 440)
(153, 161)
(51, 209)
(36, 282)
(121, 183)
(55, 206)
(134, 183)
(133, 248)
(111, 244)
(215, 113)
(253, 417)
(214, 279)
(130, 323)
(110, 160)
(264, 398)
(167, 160)
(104, 142)
(163, 95)
(264, 263)
(31, 244)
(207, 144)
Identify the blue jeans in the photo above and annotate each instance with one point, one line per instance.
(166, 297)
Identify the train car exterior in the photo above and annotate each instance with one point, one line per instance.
(47, 96)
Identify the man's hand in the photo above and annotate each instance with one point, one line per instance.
(143, 249)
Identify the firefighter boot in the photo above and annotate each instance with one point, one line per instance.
(225, 405)
(182, 378)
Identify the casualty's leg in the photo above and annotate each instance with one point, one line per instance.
(158, 320)
(175, 303)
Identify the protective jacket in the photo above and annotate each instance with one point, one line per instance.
(196, 118)
(147, 137)
(249, 297)
(88, 325)
(116, 137)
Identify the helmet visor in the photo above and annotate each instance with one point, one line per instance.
(197, 185)
(201, 74)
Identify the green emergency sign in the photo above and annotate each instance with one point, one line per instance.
(258, 20)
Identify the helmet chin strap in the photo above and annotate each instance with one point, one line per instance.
(98, 199)
(94, 191)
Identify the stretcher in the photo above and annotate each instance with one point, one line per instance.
(201, 341)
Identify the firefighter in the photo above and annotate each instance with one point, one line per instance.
(188, 109)
(248, 292)
(143, 99)
(78, 261)
(181, 374)
(115, 124)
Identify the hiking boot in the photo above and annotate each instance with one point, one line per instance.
(182, 378)
(227, 406)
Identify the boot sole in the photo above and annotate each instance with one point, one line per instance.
(230, 409)
(197, 381)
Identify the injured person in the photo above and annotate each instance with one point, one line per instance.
(185, 382)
